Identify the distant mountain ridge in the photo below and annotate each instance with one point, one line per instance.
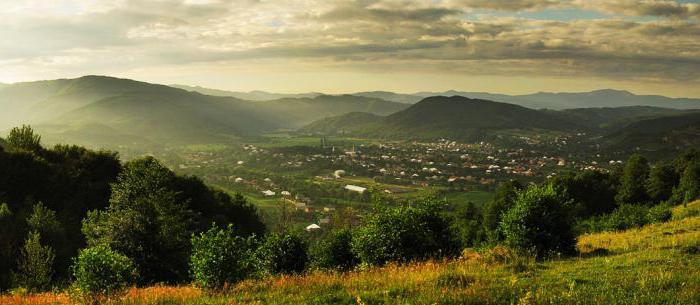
(541, 100)
(255, 95)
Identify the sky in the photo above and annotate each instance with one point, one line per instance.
(333, 46)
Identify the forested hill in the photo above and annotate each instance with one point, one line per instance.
(451, 117)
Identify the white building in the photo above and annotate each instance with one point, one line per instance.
(355, 188)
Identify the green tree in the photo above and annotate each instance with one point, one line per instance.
(24, 138)
(44, 221)
(688, 188)
(662, 179)
(503, 200)
(540, 221)
(153, 213)
(220, 257)
(35, 265)
(405, 233)
(633, 181)
(101, 271)
(591, 192)
(283, 253)
(334, 251)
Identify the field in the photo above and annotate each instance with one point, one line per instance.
(656, 264)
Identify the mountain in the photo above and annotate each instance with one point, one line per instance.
(453, 117)
(255, 95)
(346, 123)
(616, 117)
(391, 96)
(658, 135)
(297, 112)
(598, 98)
(104, 110)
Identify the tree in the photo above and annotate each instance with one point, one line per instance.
(153, 213)
(540, 221)
(222, 256)
(146, 221)
(283, 253)
(35, 265)
(334, 251)
(633, 181)
(503, 200)
(405, 233)
(101, 271)
(688, 188)
(24, 138)
(662, 179)
(591, 192)
(44, 221)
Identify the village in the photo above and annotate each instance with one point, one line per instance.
(312, 182)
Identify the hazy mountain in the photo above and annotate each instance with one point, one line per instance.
(346, 123)
(297, 112)
(598, 98)
(105, 110)
(453, 117)
(250, 96)
(391, 96)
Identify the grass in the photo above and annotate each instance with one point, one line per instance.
(655, 264)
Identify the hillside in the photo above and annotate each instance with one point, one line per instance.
(391, 96)
(616, 117)
(656, 264)
(453, 117)
(658, 135)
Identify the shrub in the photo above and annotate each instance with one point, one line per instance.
(539, 221)
(335, 251)
(35, 265)
(627, 216)
(404, 234)
(659, 213)
(220, 257)
(100, 270)
(283, 254)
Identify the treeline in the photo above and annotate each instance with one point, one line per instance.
(55, 201)
(634, 194)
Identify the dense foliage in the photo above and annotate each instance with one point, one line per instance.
(403, 234)
(221, 256)
(100, 270)
(283, 253)
(540, 221)
(334, 251)
(35, 265)
(152, 214)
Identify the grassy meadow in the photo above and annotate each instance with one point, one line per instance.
(655, 264)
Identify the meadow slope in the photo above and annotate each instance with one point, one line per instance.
(656, 264)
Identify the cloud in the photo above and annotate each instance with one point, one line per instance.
(365, 35)
(659, 8)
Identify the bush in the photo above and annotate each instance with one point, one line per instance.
(627, 216)
(102, 271)
(404, 234)
(539, 221)
(35, 265)
(335, 251)
(283, 254)
(220, 257)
